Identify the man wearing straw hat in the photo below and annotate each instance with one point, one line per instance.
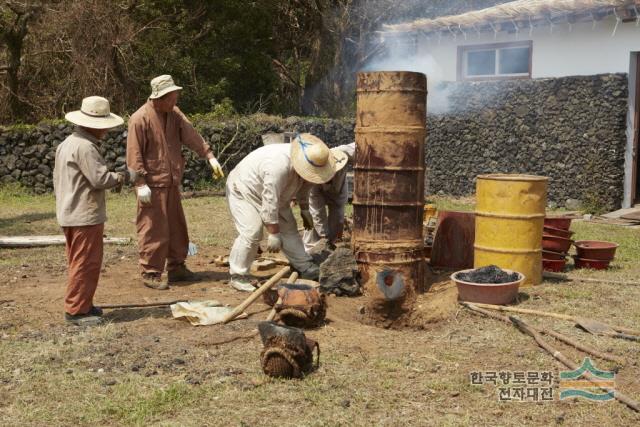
(327, 201)
(259, 193)
(157, 132)
(80, 178)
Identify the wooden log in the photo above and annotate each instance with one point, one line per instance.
(255, 295)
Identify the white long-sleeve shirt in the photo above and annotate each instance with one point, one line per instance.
(267, 178)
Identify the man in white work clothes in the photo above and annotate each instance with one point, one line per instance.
(259, 193)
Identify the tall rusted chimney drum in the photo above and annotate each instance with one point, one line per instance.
(388, 200)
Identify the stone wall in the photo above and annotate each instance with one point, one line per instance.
(27, 155)
(569, 129)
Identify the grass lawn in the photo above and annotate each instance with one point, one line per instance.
(145, 368)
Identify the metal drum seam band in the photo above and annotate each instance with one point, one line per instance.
(508, 216)
(508, 251)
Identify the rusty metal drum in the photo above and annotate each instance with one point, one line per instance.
(388, 200)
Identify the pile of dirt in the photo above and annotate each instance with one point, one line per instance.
(488, 275)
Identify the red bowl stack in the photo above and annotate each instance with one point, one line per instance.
(556, 241)
(594, 254)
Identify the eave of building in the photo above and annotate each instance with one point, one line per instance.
(520, 15)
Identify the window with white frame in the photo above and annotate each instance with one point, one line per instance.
(495, 61)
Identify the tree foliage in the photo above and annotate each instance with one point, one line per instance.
(277, 56)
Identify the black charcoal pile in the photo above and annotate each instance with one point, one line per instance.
(488, 275)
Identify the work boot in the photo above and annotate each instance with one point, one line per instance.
(181, 274)
(87, 319)
(311, 273)
(95, 311)
(154, 281)
(242, 283)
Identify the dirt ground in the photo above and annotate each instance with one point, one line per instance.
(144, 367)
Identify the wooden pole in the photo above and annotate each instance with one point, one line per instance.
(530, 330)
(255, 295)
(555, 315)
(557, 335)
(619, 396)
(272, 314)
(566, 277)
(140, 305)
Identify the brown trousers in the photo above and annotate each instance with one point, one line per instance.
(84, 257)
(162, 231)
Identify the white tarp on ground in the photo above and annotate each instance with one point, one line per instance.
(202, 313)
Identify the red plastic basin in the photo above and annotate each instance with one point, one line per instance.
(555, 243)
(596, 250)
(558, 222)
(558, 232)
(556, 265)
(497, 293)
(596, 264)
(554, 255)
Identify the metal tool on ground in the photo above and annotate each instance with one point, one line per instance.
(256, 294)
(531, 331)
(590, 325)
(557, 335)
(272, 313)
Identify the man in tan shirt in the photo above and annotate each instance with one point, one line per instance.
(80, 177)
(157, 132)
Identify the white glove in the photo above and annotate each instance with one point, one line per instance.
(274, 242)
(307, 219)
(217, 169)
(144, 194)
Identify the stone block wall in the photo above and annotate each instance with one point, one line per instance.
(571, 129)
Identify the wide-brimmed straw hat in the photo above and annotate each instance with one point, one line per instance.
(162, 85)
(312, 159)
(340, 158)
(94, 113)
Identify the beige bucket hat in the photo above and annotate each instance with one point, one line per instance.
(162, 85)
(94, 113)
(312, 159)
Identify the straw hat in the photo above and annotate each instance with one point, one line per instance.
(95, 114)
(312, 159)
(162, 85)
(340, 158)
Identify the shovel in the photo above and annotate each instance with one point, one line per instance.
(598, 328)
(590, 325)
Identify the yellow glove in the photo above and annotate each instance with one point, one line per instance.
(217, 169)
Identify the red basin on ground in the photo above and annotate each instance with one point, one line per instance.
(554, 255)
(556, 265)
(596, 264)
(558, 222)
(596, 250)
(497, 293)
(558, 232)
(555, 243)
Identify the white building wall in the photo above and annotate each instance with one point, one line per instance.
(583, 49)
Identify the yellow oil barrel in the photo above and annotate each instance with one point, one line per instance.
(510, 213)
